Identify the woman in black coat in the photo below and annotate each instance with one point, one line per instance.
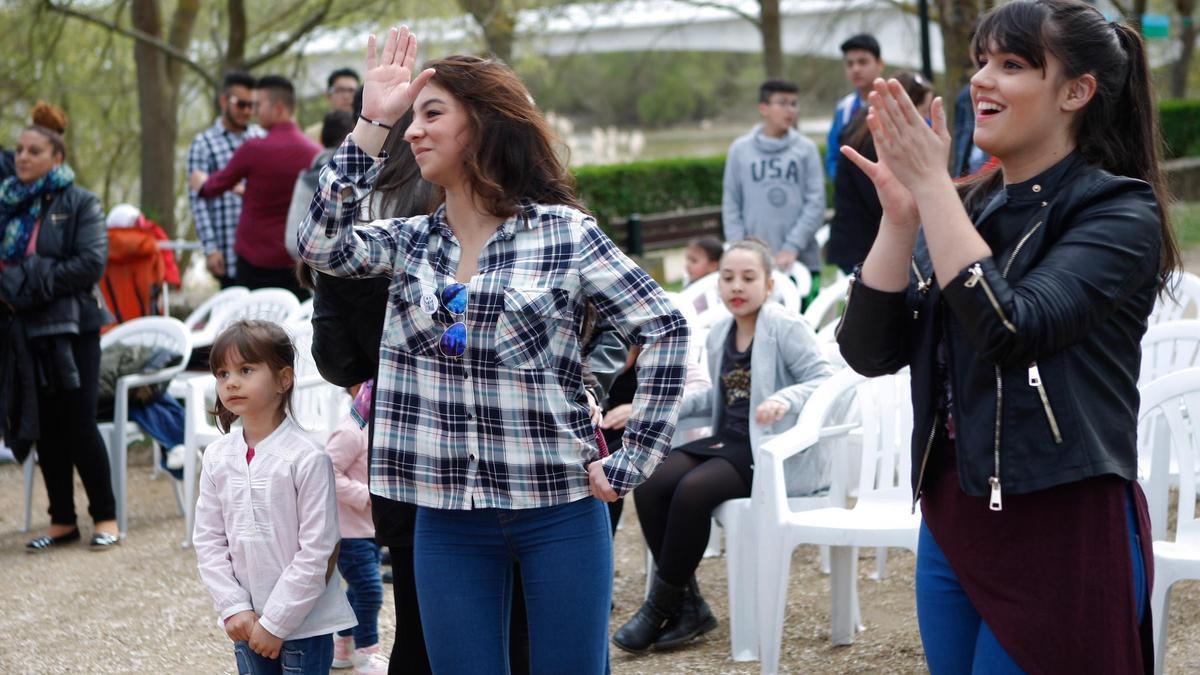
(53, 254)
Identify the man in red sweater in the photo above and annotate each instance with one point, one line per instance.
(269, 166)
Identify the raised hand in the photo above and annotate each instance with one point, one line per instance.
(916, 154)
(389, 87)
(899, 207)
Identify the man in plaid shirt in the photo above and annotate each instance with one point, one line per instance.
(216, 219)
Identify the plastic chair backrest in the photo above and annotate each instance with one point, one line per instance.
(704, 300)
(265, 304)
(304, 312)
(828, 305)
(152, 331)
(1186, 305)
(787, 292)
(885, 404)
(202, 314)
(1169, 347)
(1174, 400)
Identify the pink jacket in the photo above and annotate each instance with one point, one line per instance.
(347, 447)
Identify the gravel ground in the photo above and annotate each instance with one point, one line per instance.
(141, 609)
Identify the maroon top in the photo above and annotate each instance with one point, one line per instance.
(270, 166)
(1050, 573)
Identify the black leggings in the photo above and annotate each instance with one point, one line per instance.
(675, 507)
(70, 439)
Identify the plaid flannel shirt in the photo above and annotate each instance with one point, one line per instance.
(216, 219)
(506, 425)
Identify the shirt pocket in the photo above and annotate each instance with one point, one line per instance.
(535, 323)
(410, 328)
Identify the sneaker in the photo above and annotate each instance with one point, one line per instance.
(343, 651)
(370, 661)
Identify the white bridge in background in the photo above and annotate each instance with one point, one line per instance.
(812, 27)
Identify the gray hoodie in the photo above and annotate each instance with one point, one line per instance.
(775, 190)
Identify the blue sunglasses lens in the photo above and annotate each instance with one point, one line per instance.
(454, 298)
(454, 340)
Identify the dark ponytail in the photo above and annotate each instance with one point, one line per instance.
(1118, 129)
(1137, 125)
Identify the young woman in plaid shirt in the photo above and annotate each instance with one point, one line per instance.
(481, 417)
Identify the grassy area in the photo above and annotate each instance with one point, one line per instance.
(1185, 217)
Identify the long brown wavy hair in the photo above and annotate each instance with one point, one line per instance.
(510, 156)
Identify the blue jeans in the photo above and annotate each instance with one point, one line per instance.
(464, 571)
(358, 561)
(955, 637)
(309, 656)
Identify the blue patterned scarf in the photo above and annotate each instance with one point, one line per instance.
(21, 206)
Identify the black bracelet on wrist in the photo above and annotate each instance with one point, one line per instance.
(375, 123)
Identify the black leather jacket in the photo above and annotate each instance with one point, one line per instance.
(1042, 340)
(54, 291)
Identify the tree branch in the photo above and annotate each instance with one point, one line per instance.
(284, 44)
(717, 5)
(137, 35)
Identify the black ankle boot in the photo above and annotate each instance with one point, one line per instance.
(695, 619)
(661, 606)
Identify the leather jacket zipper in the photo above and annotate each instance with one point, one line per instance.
(923, 284)
(995, 502)
(924, 462)
(1035, 380)
(977, 277)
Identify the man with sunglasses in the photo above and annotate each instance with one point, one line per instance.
(216, 218)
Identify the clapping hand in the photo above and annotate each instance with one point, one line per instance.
(389, 87)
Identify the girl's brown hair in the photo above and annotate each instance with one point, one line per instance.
(253, 341)
(510, 156)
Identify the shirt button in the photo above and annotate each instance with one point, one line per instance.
(471, 457)
(471, 416)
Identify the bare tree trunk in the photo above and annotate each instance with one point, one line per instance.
(1187, 47)
(498, 23)
(772, 37)
(156, 98)
(957, 19)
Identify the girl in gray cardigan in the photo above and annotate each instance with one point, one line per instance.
(764, 361)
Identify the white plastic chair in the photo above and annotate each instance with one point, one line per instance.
(1169, 347)
(200, 322)
(826, 308)
(790, 293)
(152, 331)
(1174, 399)
(264, 304)
(881, 517)
(1186, 305)
(1166, 348)
(303, 313)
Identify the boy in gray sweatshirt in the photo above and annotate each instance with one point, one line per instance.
(774, 187)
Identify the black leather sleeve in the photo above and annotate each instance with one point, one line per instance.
(347, 327)
(606, 359)
(1109, 249)
(873, 334)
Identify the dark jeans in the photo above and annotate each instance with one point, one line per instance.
(307, 656)
(70, 439)
(675, 507)
(394, 524)
(358, 561)
(464, 569)
(264, 277)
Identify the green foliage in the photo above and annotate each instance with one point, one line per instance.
(1185, 218)
(1180, 121)
(618, 190)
